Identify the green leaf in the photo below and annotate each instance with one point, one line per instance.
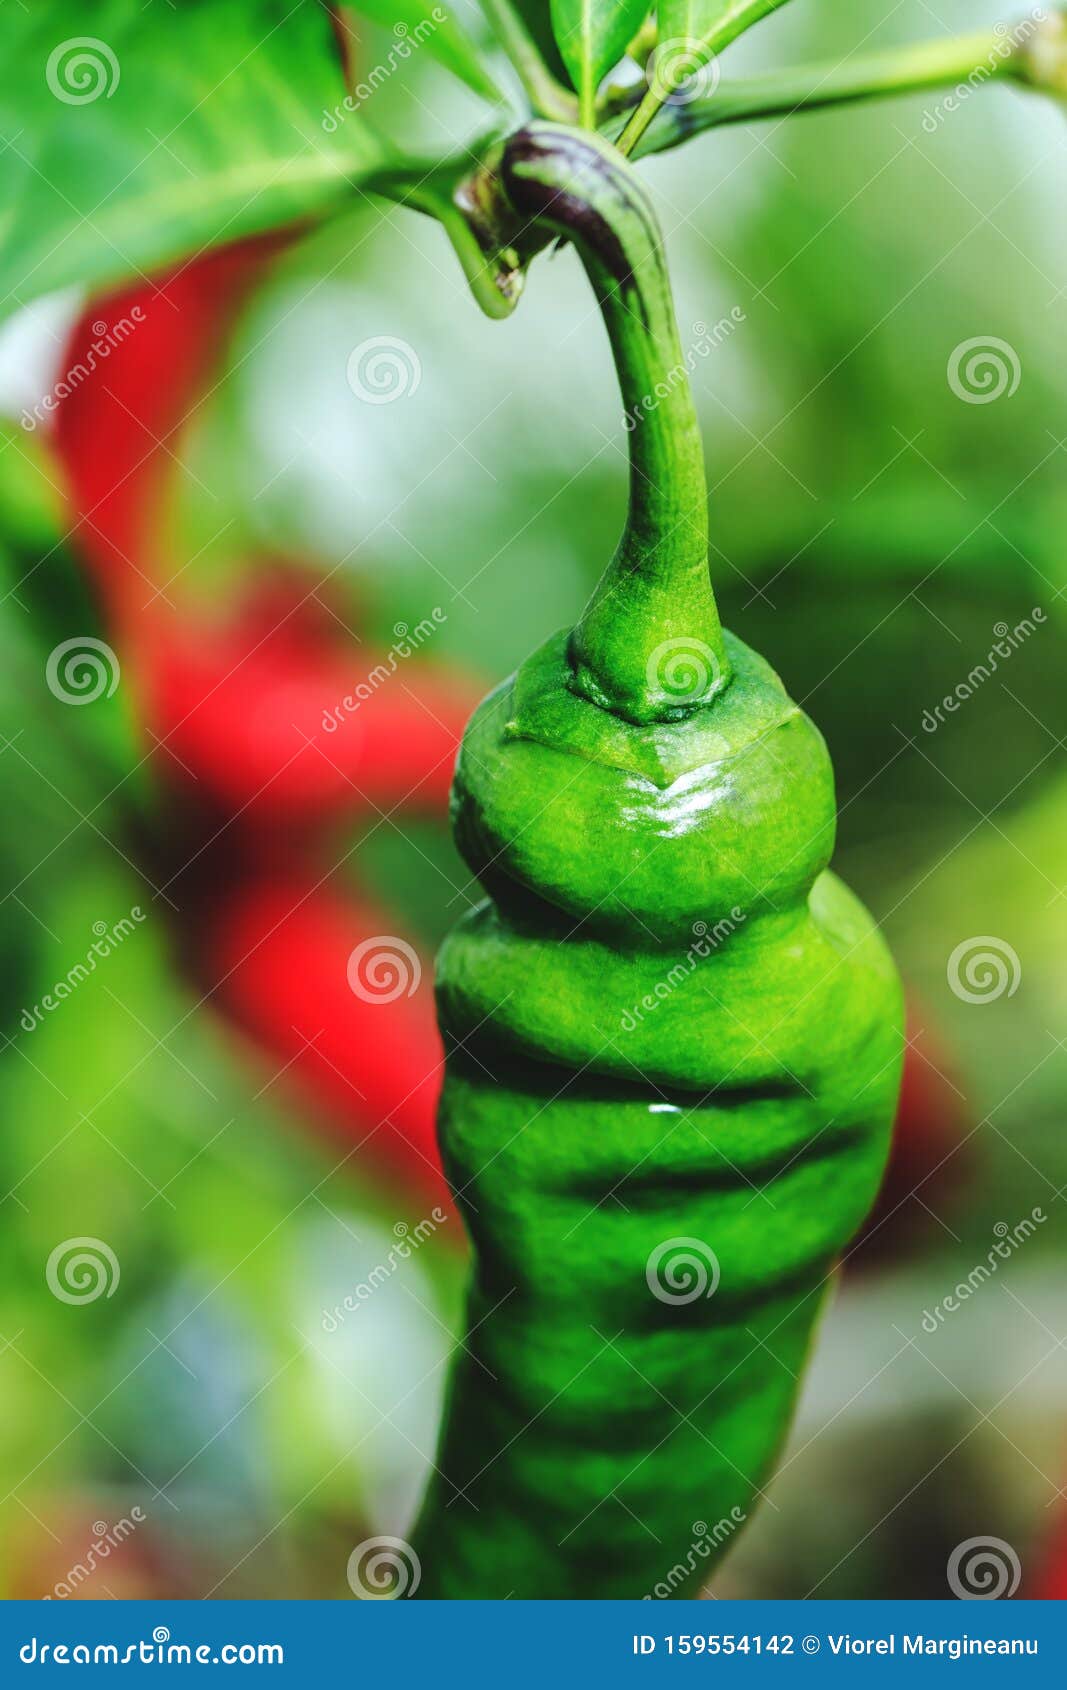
(709, 25)
(690, 20)
(593, 35)
(691, 32)
(429, 24)
(163, 132)
(537, 16)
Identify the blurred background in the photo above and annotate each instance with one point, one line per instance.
(231, 1277)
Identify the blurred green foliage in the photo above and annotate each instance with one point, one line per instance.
(871, 530)
(212, 1393)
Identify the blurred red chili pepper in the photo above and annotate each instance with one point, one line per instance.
(254, 709)
(1049, 1583)
(242, 703)
(114, 428)
(251, 713)
(345, 1006)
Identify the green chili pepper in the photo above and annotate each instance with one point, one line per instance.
(673, 1036)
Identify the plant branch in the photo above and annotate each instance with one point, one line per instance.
(547, 97)
(740, 16)
(1032, 54)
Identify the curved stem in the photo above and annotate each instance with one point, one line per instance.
(657, 589)
(962, 61)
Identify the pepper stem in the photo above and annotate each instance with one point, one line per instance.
(649, 644)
